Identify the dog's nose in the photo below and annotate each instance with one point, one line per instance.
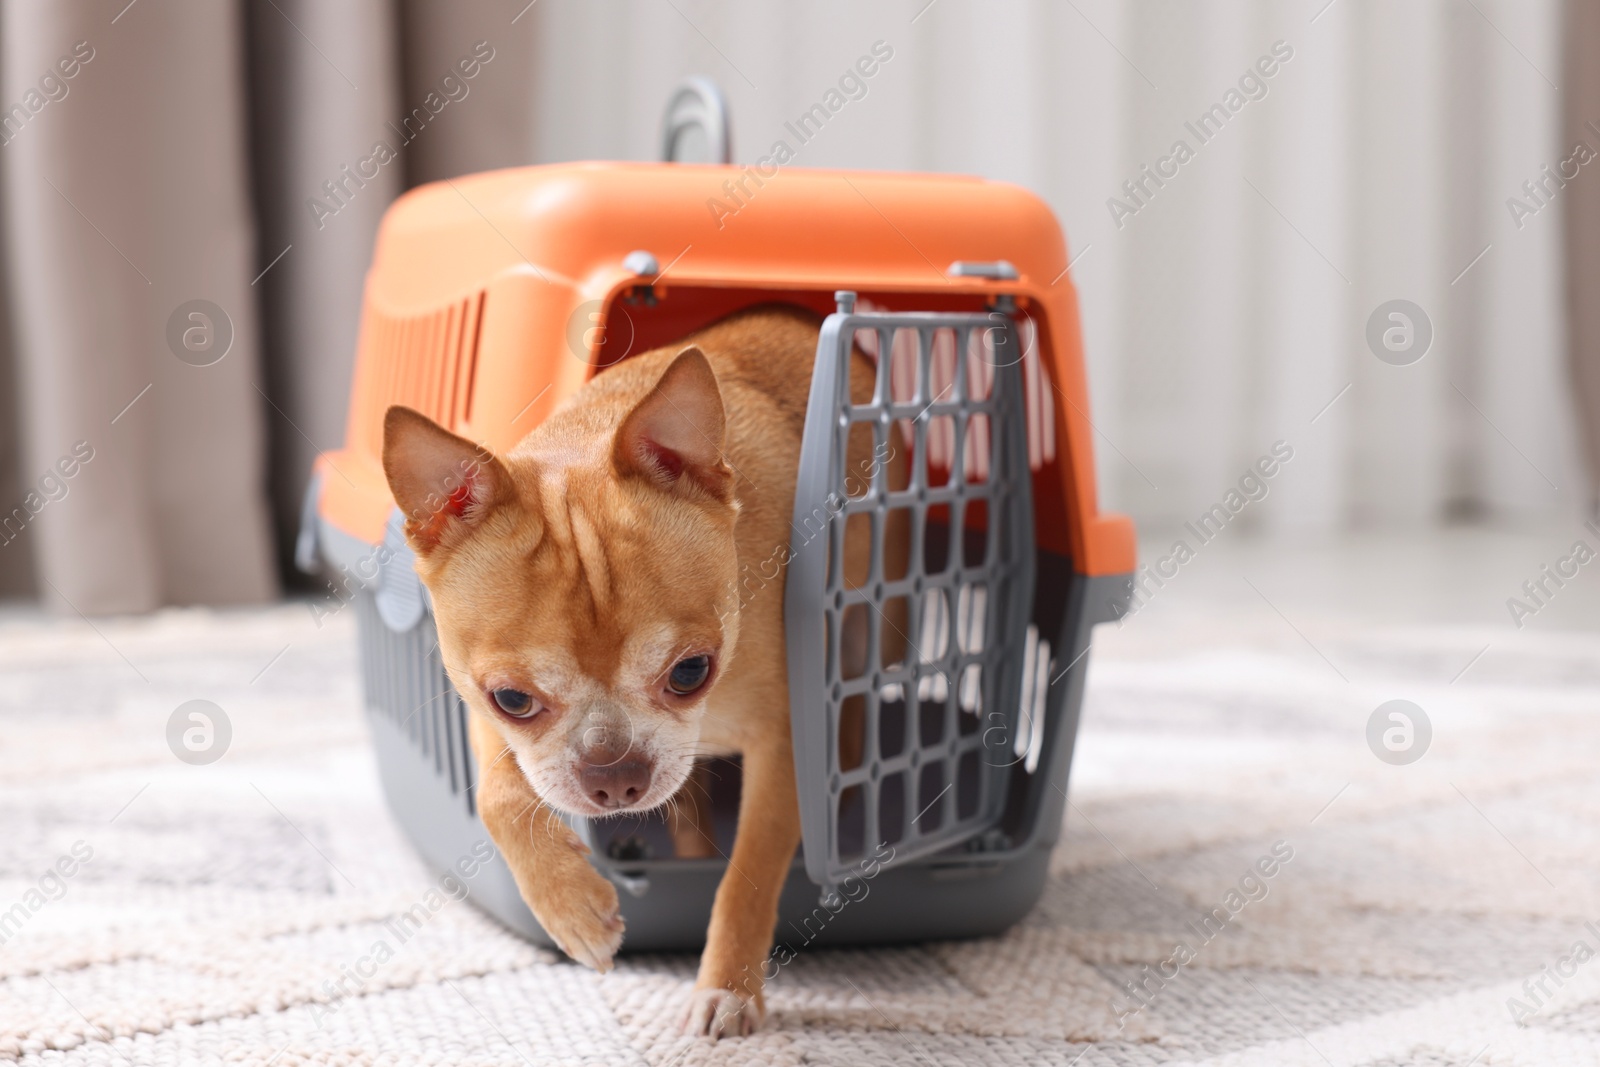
(615, 785)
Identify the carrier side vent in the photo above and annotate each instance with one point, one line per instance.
(427, 362)
(405, 683)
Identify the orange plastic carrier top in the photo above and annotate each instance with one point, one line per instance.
(494, 297)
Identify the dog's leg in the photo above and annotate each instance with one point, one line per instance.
(693, 835)
(728, 996)
(575, 903)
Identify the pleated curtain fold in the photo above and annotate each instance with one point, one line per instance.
(174, 173)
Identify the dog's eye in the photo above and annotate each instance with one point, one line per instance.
(689, 675)
(516, 703)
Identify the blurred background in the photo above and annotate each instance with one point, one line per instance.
(1338, 155)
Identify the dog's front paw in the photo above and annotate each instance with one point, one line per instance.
(579, 912)
(718, 1013)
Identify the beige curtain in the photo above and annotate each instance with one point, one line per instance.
(325, 80)
(1582, 125)
(166, 152)
(127, 195)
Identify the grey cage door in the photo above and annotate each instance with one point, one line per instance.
(905, 670)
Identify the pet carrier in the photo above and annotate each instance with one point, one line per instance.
(494, 297)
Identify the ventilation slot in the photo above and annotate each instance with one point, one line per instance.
(407, 685)
(426, 362)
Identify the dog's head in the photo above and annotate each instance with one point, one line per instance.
(583, 584)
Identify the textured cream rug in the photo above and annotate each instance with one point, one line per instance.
(1432, 913)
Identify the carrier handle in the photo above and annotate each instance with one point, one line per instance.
(697, 104)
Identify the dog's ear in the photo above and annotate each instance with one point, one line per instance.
(674, 435)
(444, 485)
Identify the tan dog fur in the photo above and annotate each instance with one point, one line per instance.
(580, 567)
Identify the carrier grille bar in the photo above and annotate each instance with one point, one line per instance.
(909, 743)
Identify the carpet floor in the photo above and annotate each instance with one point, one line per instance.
(1436, 912)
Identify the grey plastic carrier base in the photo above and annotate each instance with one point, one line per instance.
(419, 734)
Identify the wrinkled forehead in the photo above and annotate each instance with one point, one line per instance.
(616, 609)
(622, 660)
(558, 644)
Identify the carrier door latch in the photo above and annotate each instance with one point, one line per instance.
(996, 269)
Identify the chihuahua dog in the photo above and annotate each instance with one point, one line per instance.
(587, 591)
